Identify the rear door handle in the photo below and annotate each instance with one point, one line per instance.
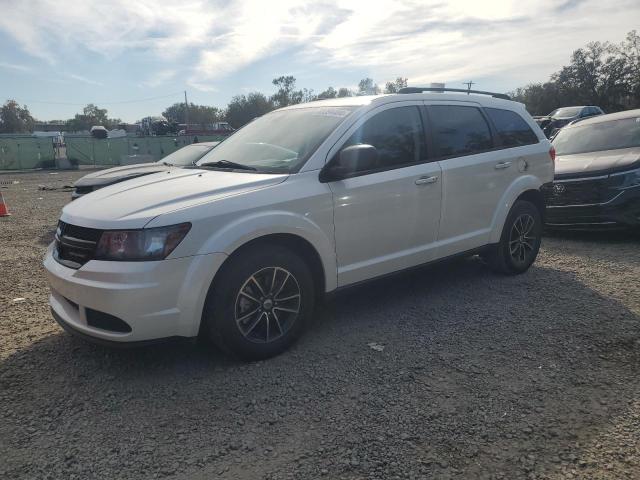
(503, 165)
(426, 180)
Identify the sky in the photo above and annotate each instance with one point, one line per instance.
(136, 57)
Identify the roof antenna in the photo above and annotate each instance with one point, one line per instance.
(468, 84)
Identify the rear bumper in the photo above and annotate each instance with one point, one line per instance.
(622, 211)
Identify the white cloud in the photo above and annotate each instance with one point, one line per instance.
(15, 66)
(86, 80)
(425, 40)
(159, 78)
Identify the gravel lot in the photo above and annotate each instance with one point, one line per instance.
(481, 376)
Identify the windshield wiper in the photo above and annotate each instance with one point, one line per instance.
(227, 164)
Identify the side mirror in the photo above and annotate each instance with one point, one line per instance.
(350, 160)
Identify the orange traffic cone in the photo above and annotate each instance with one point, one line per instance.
(4, 210)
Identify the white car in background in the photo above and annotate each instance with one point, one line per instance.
(184, 157)
(301, 202)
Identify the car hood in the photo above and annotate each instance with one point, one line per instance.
(596, 162)
(135, 203)
(118, 174)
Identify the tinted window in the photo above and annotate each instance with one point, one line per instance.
(397, 135)
(459, 130)
(566, 112)
(512, 129)
(596, 137)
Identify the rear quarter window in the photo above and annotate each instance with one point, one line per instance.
(512, 129)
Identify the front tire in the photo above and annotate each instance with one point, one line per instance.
(259, 303)
(520, 240)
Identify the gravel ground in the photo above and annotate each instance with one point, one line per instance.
(480, 376)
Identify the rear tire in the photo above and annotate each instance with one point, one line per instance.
(520, 240)
(259, 303)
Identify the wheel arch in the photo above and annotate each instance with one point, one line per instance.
(536, 197)
(524, 188)
(296, 244)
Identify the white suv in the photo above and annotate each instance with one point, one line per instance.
(300, 202)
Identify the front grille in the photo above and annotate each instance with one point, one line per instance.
(75, 245)
(579, 192)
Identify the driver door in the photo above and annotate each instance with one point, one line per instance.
(386, 218)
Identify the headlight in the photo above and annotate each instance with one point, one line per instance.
(630, 179)
(144, 244)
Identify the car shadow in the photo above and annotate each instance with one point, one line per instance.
(457, 368)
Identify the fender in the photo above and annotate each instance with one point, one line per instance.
(259, 224)
(517, 188)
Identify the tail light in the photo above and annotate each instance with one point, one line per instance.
(552, 154)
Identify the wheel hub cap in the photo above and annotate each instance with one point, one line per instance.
(267, 305)
(522, 238)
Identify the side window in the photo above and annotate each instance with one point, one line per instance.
(512, 129)
(459, 130)
(397, 135)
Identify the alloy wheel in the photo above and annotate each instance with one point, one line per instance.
(521, 239)
(267, 305)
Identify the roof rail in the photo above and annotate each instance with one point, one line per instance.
(458, 90)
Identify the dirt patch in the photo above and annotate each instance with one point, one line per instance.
(480, 376)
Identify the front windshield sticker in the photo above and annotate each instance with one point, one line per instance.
(331, 112)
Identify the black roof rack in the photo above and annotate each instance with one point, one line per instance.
(459, 90)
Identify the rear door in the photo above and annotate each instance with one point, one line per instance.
(386, 219)
(475, 174)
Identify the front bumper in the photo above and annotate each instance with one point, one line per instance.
(622, 211)
(155, 299)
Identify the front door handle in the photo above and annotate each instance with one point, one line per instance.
(503, 165)
(426, 180)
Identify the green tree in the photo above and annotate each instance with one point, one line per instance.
(15, 119)
(328, 93)
(198, 114)
(629, 52)
(244, 108)
(367, 86)
(396, 85)
(344, 92)
(540, 98)
(91, 116)
(599, 74)
(286, 93)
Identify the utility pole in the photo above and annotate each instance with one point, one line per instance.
(468, 84)
(186, 113)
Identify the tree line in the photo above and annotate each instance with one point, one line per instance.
(240, 110)
(243, 108)
(601, 73)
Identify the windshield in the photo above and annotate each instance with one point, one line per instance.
(281, 141)
(566, 112)
(187, 155)
(611, 135)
